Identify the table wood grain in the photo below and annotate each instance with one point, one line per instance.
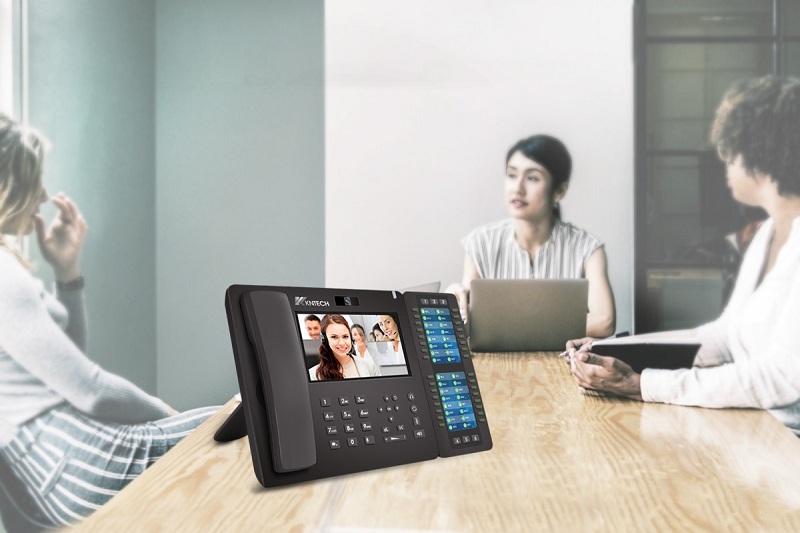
(563, 460)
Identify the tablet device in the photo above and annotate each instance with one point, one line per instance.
(523, 315)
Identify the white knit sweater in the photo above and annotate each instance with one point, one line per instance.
(42, 361)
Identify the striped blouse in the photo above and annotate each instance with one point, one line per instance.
(497, 255)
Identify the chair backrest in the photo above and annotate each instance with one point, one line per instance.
(17, 508)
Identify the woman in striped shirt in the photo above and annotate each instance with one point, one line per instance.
(535, 243)
(71, 434)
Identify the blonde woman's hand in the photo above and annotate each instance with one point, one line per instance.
(62, 242)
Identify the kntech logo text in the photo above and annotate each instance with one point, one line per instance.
(304, 301)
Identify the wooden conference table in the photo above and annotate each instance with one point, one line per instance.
(563, 460)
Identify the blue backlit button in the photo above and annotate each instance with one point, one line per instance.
(419, 433)
(394, 438)
(360, 399)
(344, 401)
(385, 429)
(347, 415)
(456, 441)
(349, 428)
(335, 445)
(352, 442)
(401, 427)
(363, 413)
(366, 426)
(417, 421)
(328, 415)
(325, 402)
(476, 438)
(411, 396)
(331, 430)
(369, 439)
(414, 408)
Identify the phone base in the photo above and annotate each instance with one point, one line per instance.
(234, 427)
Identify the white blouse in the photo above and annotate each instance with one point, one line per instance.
(496, 254)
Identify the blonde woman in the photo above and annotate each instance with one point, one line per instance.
(72, 434)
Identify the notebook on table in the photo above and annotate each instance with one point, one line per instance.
(641, 353)
(524, 315)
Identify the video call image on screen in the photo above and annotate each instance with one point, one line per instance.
(372, 341)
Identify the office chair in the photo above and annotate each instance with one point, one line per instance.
(17, 508)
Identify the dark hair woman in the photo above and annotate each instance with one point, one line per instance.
(535, 243)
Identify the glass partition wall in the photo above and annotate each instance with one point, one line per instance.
(689, 232)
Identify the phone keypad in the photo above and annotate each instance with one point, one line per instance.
(392, 424)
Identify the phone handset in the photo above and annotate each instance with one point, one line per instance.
(270, 325)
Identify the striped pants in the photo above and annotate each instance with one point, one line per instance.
(72, 464)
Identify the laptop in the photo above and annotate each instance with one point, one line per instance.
(525, 315)
(433, 286)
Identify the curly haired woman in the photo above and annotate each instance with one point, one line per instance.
(750, 355)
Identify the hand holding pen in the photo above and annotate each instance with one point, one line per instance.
(582, 345)
(576, 345)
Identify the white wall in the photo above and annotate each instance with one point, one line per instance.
(423, 99)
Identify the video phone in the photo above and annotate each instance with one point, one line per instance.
(409, 394)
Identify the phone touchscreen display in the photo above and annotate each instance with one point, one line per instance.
(339, 346)
(459, 411)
